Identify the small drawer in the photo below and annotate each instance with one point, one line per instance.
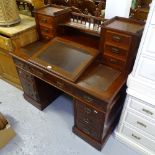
(46, 37)
(30, 88)
(140, 123)
(140, 139)
(6, 43)
(114, 63)
(118, 39)
(46, 31)
(63, 86)
(84, 110)
(115, 51)
(91, 100)
(49, 78)
(94, 133)
(45, 20)
(142, 107)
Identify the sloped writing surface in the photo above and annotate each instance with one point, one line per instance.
(66, 59)
(64, 56)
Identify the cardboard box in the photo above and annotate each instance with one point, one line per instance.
(6, 135)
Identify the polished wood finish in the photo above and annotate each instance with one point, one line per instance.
(60, 63)
(97, 88)
(87, 92)
(47, 19)
(119, 42)
(39, 93)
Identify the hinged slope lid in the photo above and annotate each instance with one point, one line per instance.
(65, 58)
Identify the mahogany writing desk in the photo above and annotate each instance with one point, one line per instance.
(72, 63)
(96, 93)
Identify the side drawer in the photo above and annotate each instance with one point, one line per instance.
(138, 138)
(94, 133)
(140, 123)
(91, 100)
(46, 31)
(114, 63)
(88, 115)
(45, 20)
(44, 76)
(115, 51)
(6, 43)
(142, 107)
(46, 37)
(121, 40)
(28, 85)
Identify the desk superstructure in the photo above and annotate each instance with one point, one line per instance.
(93, 76)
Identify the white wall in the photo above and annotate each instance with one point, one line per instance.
(117, 8)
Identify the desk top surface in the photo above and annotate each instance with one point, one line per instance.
(125, 25)
(96, 79)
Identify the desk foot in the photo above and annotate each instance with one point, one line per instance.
(96, 144)
(88, 139)
(35, 103)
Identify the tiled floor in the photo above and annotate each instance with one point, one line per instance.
(47, 132)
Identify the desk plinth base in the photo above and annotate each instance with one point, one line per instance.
(96, 144)
(91, 141)
(35, 103)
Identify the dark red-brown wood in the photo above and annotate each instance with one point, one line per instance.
(99, 90)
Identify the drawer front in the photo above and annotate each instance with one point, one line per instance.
(46, 31)
(45, 37)
(140, 123)
(94, 133)
(138, 138)
(88, 115)
(142, 108)
(6, 43)
(62, 85)
(45, 20)
(114, 63)
(24, 75)
(28, 84)
(43, 75)
(115, 52)
(91, 100)
(118, 39)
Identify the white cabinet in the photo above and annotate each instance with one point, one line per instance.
(146, 69)
(148, 47)
(137, 124)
